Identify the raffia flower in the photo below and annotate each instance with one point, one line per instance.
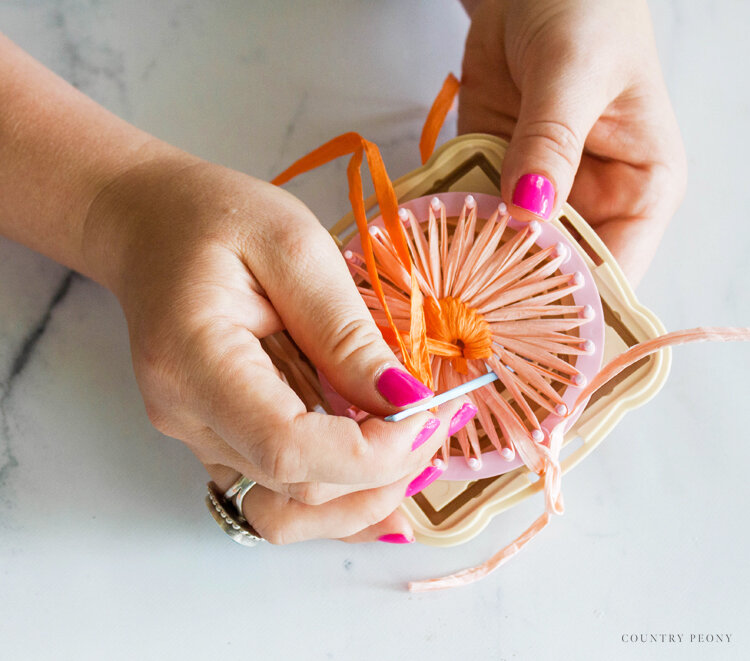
(492, 301)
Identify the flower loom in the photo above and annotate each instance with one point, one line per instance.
(458, 287)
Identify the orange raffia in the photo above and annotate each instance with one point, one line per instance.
(436, 116)
(353, 143)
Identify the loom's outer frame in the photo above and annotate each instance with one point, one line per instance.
(599, 419)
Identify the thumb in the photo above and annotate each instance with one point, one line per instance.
(561, 100)
(318, 302)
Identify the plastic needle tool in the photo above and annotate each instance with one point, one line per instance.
(446, 396)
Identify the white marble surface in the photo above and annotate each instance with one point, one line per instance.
(106, 549)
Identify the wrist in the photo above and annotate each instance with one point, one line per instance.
(113, 227)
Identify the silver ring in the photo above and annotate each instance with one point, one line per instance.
(237, 529)
(237, 492)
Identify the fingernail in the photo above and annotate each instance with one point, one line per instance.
(395, 538)
(535, 193)
(424, 479)
(400, 388)
(428, 430)
(461, 418)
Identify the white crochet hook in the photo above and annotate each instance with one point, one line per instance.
(446, 396)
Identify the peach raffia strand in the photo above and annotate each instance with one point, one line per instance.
(476, 573)
(635, 353)
(553, 477)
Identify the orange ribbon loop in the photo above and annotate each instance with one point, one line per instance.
(436, 116)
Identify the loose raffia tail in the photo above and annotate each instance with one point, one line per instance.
(552, 479)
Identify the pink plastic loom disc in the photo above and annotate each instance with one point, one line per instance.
(587, 364)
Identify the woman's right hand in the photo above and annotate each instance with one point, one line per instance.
(206, 261)
(576, 87)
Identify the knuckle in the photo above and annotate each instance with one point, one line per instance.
(352, 337)
(304, 244)
(296, 245)
(651, 197)
(558, 137)
(274, 532)
(283, 462)
(357, 445)
(375, 507)
(573, 42)
(272, 520)
(308, 493)
(157, 417)
(154, 375)
(664, 191)
(360, 448)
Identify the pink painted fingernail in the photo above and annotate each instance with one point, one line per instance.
(428, 430)
(400, 388)
(461, 418)
(424, 479)
(395, 538)
(535, 193)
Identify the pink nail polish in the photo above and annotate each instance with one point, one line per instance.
(428, 430)
(395, 538)
(461, 418)
(424, 479)
(535, 193)
(400, 388)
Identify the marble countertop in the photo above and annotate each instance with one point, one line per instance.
(106, 548)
